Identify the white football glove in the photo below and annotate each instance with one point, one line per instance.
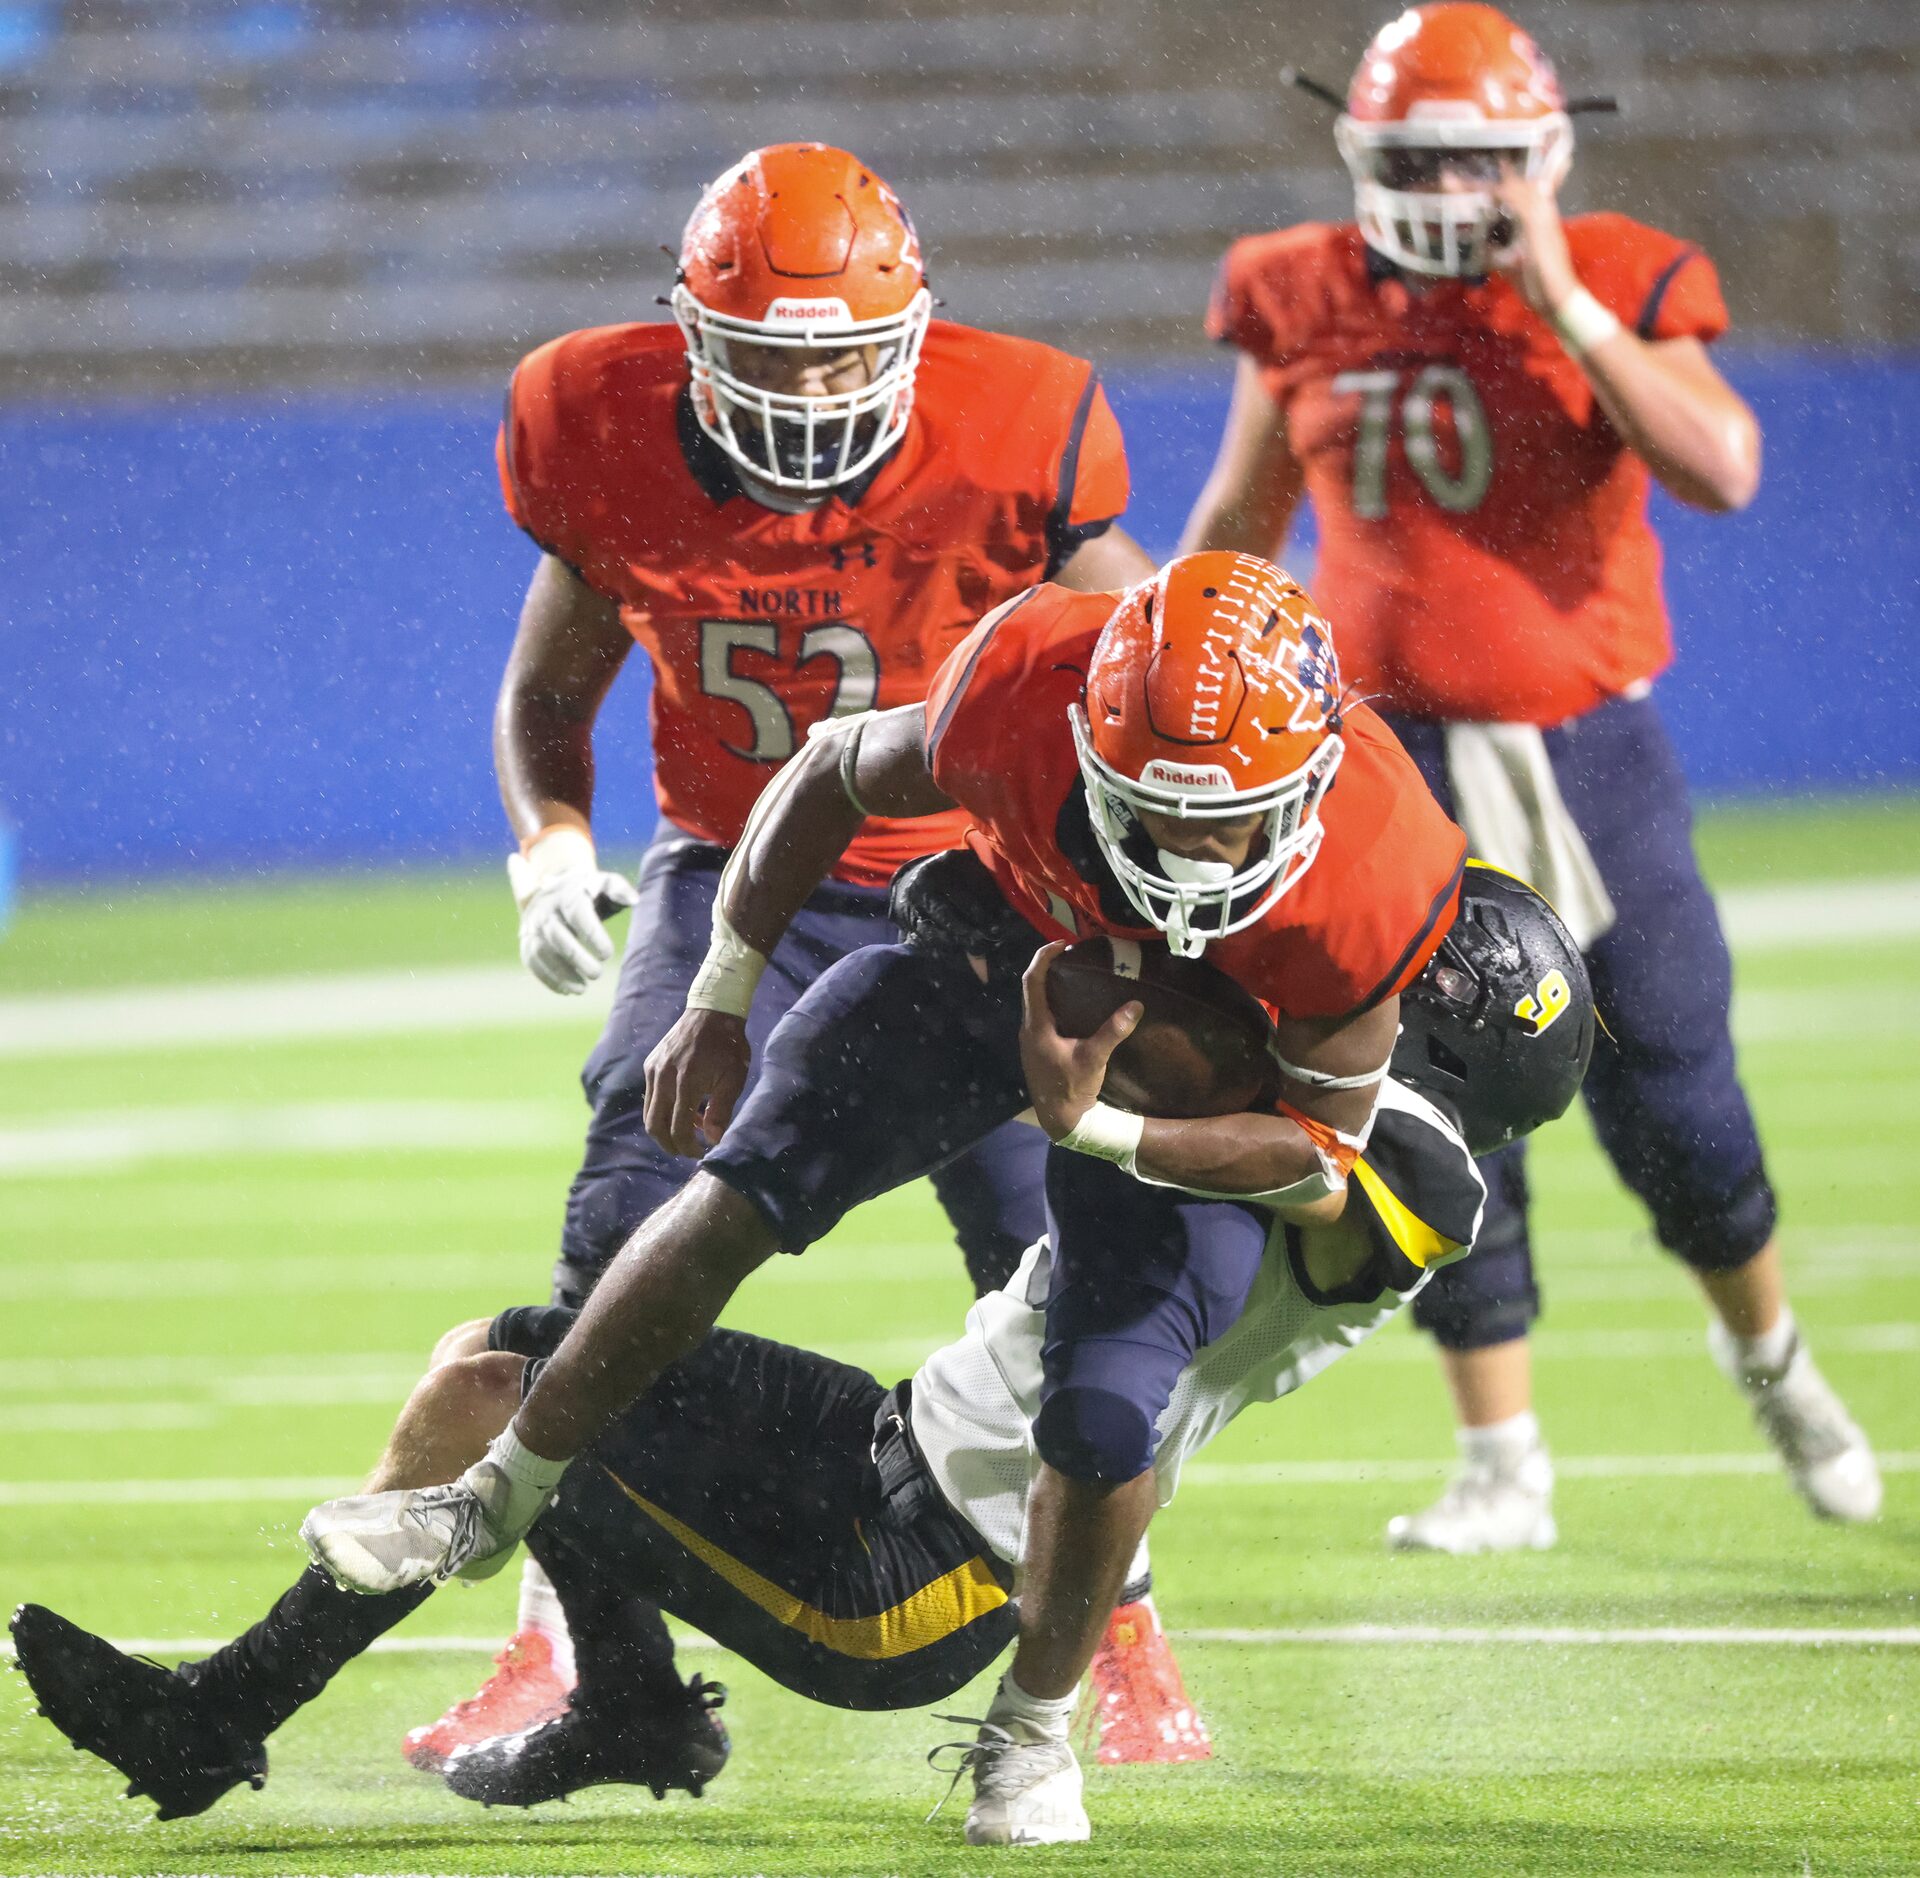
(563, 941)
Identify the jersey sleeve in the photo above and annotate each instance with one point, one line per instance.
(966, 703)
(1236, 314)
(1657, 285)
(536, 459)
(1093, 484)
(1414, 1190)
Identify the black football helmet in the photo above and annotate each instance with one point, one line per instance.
(1499, 1027)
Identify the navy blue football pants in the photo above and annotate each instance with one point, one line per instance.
(993, 1192)
(898, 1059)
(1666, 1102)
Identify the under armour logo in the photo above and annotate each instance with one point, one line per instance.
(855, 554)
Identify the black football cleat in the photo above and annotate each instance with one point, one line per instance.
(136, 1716)
(681, 1744)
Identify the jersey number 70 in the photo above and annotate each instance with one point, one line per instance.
(1379, 393)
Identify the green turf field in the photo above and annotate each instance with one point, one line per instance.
(227, 1252)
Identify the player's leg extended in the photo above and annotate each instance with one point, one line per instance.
(770, 1497)
(624, 1178)
(186, 1736)
(1478, 1310)
(1667, 1102)
(1142, 1278)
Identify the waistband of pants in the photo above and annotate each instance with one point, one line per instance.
(907, 1483)
(692, 854)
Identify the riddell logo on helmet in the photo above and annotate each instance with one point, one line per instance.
(823, 312)
(1186, 775)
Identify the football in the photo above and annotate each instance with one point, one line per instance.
(1204, 1046)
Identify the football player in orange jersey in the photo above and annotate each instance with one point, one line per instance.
(1476, 395)
(1172, 765)
(796, 498)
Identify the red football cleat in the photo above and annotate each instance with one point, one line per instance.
(524, 1690)
(1139, 1709)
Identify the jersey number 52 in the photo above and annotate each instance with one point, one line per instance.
(774, 738)
(1381, 398)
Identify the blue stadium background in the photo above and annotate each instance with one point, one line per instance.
(269, 630)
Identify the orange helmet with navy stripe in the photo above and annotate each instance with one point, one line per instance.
(1443, 97)
(1213, 694)
(801, 247)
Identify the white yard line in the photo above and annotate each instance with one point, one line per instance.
(1726, 1635)
(104, 1141)
(309, 1490)
(502, 997)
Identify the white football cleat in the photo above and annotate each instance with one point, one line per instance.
(1489, 1506)
(1026, 1790)
(379, 1542)
(1827, 1458)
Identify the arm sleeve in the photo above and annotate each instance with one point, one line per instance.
(1093, 483)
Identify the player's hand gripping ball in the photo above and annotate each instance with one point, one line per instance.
(1200, 1045)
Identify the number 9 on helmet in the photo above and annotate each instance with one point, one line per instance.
(1498, 1029)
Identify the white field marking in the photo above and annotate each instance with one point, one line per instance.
(66, 1417)
(1903, 1637)
(310, 1491)
(105, 1141)
(1888, 1015)
(365, 1274)
(1821, 913)
(223, 1012)
(1566, 1467)
(502, 997)
(258, 1378)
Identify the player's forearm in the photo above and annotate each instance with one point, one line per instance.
(809, 814)
(658, 1300)
(1265, 1155)
(1228, 517)
(1696, 437)
(543, 760)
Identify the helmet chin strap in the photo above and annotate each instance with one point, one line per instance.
(1184, 871)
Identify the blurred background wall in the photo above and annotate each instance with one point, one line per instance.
(265, 264)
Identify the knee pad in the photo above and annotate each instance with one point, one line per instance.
(1718, 1233)
(1092, 1434)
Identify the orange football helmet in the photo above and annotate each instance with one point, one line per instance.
(801, 246)
(1213, 693)
(1443, 96)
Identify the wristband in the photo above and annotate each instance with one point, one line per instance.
(1108, 1134)
(729, 973)
(1583, 323)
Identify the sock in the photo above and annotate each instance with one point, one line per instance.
(1499, 1445)
(1139, 1575)
(1036, 1718)
(293, 1652)
(622, 1648)
(541, 1610)
(1769, 1353)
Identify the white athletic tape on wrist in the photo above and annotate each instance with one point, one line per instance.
(1583, 323)
(728, 975)
(1108, 1134)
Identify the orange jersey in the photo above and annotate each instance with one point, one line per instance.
(1361, 922)
(759, 624)
(1484, 544)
